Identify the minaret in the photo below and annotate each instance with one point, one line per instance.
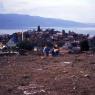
(38, 29)
(22, 34)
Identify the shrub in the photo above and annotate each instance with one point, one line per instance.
(26, 45)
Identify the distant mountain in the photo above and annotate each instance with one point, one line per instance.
(13, 21)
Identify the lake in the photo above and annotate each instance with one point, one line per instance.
(90, 31)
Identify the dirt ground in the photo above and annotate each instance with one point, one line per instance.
(68, 74)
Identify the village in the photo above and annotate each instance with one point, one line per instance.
(47, 62)
(32, 40)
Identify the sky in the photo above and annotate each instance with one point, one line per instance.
(75, 10)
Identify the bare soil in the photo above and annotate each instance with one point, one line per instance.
(68, 74)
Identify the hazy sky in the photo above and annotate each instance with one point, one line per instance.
(77, 10)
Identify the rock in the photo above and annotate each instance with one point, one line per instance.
(87, 75)
(81, 72)
(34, 92)
(74, 87)
(67, 62)
(27, 93)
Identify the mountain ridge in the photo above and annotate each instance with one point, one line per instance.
(16, 21)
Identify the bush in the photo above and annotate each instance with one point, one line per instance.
(26, 45)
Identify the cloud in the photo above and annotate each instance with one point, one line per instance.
(1, 7)
(69, 13)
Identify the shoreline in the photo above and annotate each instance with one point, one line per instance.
(90, 31)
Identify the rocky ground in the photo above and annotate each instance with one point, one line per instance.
(69, 74)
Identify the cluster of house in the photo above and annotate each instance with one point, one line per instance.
(49, 37)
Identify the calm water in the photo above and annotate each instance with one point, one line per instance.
(90, 31)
